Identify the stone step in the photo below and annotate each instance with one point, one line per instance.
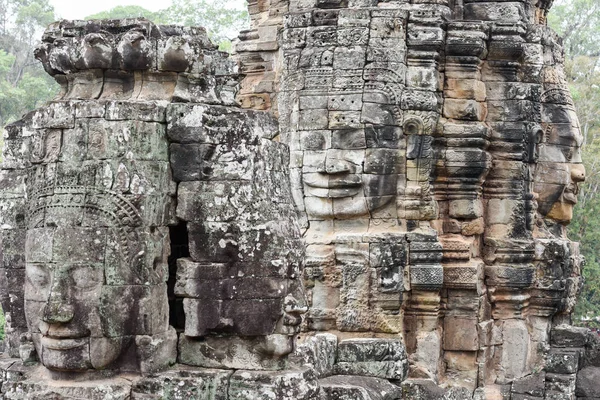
(379, 358)
(349, 387)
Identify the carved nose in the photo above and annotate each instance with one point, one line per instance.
(577, 172)
(57, 312)
(336, 166)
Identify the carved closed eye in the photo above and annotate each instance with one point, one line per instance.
(351, 139)
(38, 275)
(85, 277)
(568, 153)
(313, 141)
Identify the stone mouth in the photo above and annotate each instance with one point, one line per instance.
(331, 186)
(570, 194)
(63, 343)
(331, 181)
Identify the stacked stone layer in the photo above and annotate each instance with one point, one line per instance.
(389, 221)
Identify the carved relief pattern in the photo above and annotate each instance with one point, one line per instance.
(385, 215)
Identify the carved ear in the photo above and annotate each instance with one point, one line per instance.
(535, 136)
(413, 126)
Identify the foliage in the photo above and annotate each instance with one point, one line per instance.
(120, 12)
(578, 22)
(2, 323)
(222, 23)
(585, 228)
(23, 83)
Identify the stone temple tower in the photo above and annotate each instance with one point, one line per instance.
(369, 200)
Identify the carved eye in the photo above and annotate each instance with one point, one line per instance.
(38, 275)
(85, 277)
(568, 153)
(349, 139)
(313, 141)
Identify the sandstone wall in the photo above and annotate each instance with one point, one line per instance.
(384, 216)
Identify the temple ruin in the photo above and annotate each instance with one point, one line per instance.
(368, 201)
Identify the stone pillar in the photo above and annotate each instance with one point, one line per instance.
(462, 169)
(258, 54)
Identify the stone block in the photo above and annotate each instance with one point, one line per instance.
(382, 358)
(515, 348)
(183, 383)
(568, 336)
(460, 333)
(56, 115)
(143, 111)
(489, 11)
(191, 162)
(157, 352)
(588, 382)
(560, 384)
(354, 36)
(266, 352)
(463, 109)
(317, 352)
(424, 389)
(342, 387)
(349, 57)
(426, 276)
(313, 119)
(562, 362)
(285, 385)
(465, 89)
(532, 385)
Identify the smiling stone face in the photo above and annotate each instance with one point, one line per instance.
(96, 245)
(75, 321)
(350, 171)
(559, 169)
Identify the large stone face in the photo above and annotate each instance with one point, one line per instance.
(434, 163)
(384, 217)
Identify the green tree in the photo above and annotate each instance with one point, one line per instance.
(23, 83)
(121, 12)
(222, 23)
(578, 22)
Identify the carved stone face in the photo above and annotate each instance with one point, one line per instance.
(559, 169)
(96, 246)
(351, 169)
(68, 306)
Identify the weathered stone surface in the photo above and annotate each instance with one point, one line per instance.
(319, 352)
(562, 362)
(183, 384)
(358, 388)
(587, 382)
(569, 336)
(381, 358)
(286, 385)
(532, 385)
(395, 205)
(253, 353)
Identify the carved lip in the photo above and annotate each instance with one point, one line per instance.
(334, 186)
(570, 194)
(331, 181)
(63, 344)
(570, 197)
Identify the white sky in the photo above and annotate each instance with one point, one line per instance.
(79, 9)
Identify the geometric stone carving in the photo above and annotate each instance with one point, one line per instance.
(389, 204)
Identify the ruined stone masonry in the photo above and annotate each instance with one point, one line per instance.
(368, 201)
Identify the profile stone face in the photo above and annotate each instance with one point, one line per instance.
(384, 216)
(560, 169)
